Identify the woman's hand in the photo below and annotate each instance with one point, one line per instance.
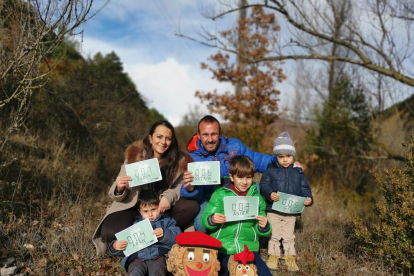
(122, 182)
(218, 218)
(159, 233)
(164, 205)
(187, 179)
(262, 221)
(274, 196)
(120, 245)
(308, 201)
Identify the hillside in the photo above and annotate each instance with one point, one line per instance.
(397, 125)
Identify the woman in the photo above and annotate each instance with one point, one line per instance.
(161, 143)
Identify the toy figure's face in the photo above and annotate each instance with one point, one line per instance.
(244, 270)
(199, 261)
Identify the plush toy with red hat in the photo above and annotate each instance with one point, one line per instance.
(242, 264)
(195, 254)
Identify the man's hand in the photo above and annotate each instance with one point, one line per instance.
(262, 221)
(159, 233)
(297, 164)
(274, 196)
(218, 218)
(122, 182)
(120, 245)
(187, 179)
(308, 201)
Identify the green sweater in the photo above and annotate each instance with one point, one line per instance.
(235, 234)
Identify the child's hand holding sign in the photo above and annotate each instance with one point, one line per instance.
(308, 201)
(262, 221)
(120, 245)
(218, 218)
(159, 233)
(274, 196)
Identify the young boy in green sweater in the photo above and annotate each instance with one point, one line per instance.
(235, 234)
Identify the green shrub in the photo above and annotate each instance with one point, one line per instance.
(391, 239)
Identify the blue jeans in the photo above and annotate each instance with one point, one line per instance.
(156, 267)
(197, 221)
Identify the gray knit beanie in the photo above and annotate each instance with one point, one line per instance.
(284, 145)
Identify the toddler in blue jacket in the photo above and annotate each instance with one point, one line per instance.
(284, 177)
(150, 260)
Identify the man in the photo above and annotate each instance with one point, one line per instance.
(208, 144)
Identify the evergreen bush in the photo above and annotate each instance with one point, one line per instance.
(391, 239)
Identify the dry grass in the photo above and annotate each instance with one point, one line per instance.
(60, 234)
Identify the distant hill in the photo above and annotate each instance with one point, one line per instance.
(397, 125)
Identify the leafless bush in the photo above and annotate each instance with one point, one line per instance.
(29, 31)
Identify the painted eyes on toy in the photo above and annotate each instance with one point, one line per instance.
(240, 267)
(247, 267)
(206, 257)
(191, 256)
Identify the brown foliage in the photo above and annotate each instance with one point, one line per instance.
(257, 101)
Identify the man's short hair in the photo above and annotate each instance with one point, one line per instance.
(241, 166)
(208, 119)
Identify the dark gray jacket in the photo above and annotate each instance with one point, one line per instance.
(290, 180)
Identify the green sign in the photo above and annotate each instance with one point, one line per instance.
(143, 172)
(138, 236)
(241, 207)
(205, 173)
(289, 204)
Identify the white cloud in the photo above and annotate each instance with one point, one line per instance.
(164, 67)
(90, 46)
(170, 86)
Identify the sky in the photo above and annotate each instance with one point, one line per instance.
(164, 67)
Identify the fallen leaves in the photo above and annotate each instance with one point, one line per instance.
(42, 263)
(29, 247)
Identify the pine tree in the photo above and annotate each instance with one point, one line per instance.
(343, 136)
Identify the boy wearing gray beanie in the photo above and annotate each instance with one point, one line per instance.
(287, 178)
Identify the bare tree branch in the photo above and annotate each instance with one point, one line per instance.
(29, 32)
(377, 45)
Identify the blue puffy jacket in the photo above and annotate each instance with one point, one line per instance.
(290, 180)
(161, 248)
(228, 148)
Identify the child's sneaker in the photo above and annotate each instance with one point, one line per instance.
(291, 263)
(272, 261)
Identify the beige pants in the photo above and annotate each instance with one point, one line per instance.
(282, 228)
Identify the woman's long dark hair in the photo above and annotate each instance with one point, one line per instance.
(170, 159)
